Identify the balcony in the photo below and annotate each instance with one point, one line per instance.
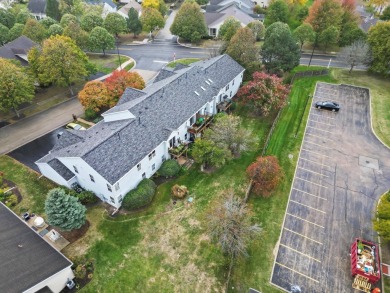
(179, 150)
(202, 121)
(224, 106)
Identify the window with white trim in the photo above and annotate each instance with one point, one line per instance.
(120, 198)
(117, 186)
(139, 166)
(153, 166)
(109, 187)
(91, 177)
(143, 175)
(152, 155)
(112, 199)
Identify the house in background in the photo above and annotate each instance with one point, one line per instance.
(124, 11)
(108, 6)
(215, 19)
(37, 8)
(29, 263)
(17, 49)
(135, 137)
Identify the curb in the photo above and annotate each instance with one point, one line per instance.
(186, 46)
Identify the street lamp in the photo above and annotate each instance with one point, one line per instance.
(119, 56)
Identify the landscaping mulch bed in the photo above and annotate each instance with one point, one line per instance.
(15, 191)
(73, 235)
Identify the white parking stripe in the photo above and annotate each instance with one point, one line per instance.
(310, 278)
(313, 172)
(297, 202)
(296, 233)
(322, 116)
(316, 163)
(311, 194)
(318, 136)
(311, 182)
(318, 144)
(320, 129)
(305, 220)
(315, 153)
(322, 123)
(301, 253)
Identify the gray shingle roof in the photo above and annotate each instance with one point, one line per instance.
(37, 6)
(113, 148)
(19, 46)
(213, 18)
(61, 169)
(25, 266)
(163, 74)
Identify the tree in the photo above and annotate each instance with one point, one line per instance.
(386, 14)
(304, 33)
(325, 13)
(33, 64)
(66, 19)
(229, 28)
(62, 62)
(302, 13)
(4, 34)
(47, 22)
(227, 132)
(15, 32)
(242, 47)
(55, 29)
(329, 37)
(265, 93)
(101, 39)
(94, 95)
(53, 9)
(379, 40)
(257, 28)
(229, 224)
(280, 51)
(208, 154)
(358, 53)
(151, 19)
(382, 221)
(64, 211)
(133, 23)
(74, 31)
(119, 80)
(265, 174)
(34, 30)
(189, 23)
(16, 87)
(23, 16)
(151, 4)
(162, 7)
(115, 24)
(259, 10)
(91, 20)
(7, 18)
(277, 11)
(351, 33)
(349, 30)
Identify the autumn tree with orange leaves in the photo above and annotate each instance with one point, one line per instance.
(324, 14)
(266, 174)
(118, 82)
(94, 95)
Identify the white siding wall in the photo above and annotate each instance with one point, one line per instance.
(49, 172)
(56, 282)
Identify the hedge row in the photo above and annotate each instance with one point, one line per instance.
(140, 196)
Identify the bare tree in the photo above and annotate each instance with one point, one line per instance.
(358, 53)
(214, 50)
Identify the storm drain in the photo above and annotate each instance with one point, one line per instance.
(369, 162)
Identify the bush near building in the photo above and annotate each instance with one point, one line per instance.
(169, 168)
(140, 196)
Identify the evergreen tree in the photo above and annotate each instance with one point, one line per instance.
(133, 23)
(4, 34)
(277, 11)
(63, 210)
(7, 18)
(53, 9)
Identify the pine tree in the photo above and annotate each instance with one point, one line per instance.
(63, 210)
(53, 9)
(133, 23)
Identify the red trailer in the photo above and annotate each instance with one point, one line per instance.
(365, 264)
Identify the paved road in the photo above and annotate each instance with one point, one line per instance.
(341, 172)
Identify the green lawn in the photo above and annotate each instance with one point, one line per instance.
(182, 61)
(107, 63)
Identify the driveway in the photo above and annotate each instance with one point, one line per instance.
(341, 171)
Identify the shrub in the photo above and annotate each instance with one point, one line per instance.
(140, 196)
(11, 201)
(84, 197)
(169, 168)
(90, 114)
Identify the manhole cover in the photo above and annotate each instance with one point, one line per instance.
(369, 162)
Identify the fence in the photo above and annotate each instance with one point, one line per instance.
(309, 73)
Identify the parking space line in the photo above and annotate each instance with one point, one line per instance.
(297, 202)
(319, 129)
(297, 251)
(322, 123)
(305, 220)
(310, 278)
(318, 136)
(310, 194)
(302, 235)
(313, 172)
(311, 182)
(316, 163)
(315, 153)
(318, 144)
(322, 116)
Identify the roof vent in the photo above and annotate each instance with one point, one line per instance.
(196, 93)
(202, 88)
(207, 82)
(210, 80)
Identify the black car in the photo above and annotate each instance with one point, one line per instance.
(327, 105)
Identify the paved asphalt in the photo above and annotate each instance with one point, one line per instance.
(341, 172)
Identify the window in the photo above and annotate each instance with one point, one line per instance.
(220, 98)
(109, 187)
(230, 94)
(233, 82)
(117, 186)
(213, 32)
(192, 120)
(163, 158)
(152, 155)
(112, 199)
(227, 87)
(143, 175)
(75, 169)
(186, 136)
(139, 166)
(153, 166)
(120, 198)
(91, 177)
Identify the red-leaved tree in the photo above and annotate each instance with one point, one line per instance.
(265, 92)
(119, 81)
(266, 174)
(325, 13)
(94, 95)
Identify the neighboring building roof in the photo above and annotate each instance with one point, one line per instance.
(37, 6)
(214, 18)
(367, 23)
(61, 169)
(25, 257)
(108, 2)
(113, 148)
(17, 49)
(132, 4)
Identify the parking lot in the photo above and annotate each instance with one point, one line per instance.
(341, 171)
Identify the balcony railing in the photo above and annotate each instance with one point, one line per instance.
(202, 121)
(224, 106)
(179, 150)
